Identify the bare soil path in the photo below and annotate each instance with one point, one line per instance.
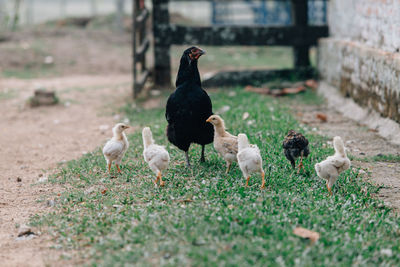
(34, 140)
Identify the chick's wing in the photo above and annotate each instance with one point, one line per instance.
(113, 149)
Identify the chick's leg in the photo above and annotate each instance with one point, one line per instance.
(247, 181)
(202, 158)
(109, 166)
(329, 189)
(228, 167)
(162, 183)
(119, 170)
(157, 178)
(262, 179)
(187, 159)
(301, 163)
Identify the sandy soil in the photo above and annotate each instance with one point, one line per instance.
(360, 142)
(34, 140)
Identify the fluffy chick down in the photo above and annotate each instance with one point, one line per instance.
(115, 149)
(249, 159)
(155, 155)
(225, 143)
(333, 166)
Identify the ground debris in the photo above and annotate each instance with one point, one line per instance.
(308, 234)
(25, 232)
(322, 117)
(312, 84)
(42, 97)
(277, 91)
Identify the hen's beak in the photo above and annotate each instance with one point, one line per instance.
(199, 53)
(208, 120)
(202, 52)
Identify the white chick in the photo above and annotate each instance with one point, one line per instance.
(249, 159)
(156, 156)
(331, 168)
(225, 143)
(114, 150)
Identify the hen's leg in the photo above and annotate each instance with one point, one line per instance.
(247, 181)
(187, 159)
(119, 170)
(202, 158)
(159, 177)
(109, 167)
(263, 179)
(228, 167)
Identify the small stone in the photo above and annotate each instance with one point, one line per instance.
(40, 174)
(43, 179)
(155, 92)
(362, 172)
(362, 153)
(387, 252)
(25, 231)
(19, 179)
(50, 203)
(48, 60)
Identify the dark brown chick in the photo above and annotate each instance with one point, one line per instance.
(295, 145)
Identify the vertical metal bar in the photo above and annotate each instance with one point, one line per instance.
(300, 18)
(29, 12)
(162, 58)
(119, 18)
(134, 71)
(142, 36)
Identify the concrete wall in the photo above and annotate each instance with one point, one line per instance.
(361, 58)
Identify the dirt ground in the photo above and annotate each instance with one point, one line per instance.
(34, 140)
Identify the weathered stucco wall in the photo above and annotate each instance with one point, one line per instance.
(361, 58)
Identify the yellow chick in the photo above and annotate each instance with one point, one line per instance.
(249, 159)
(115, 149)
(331, 168)
(225, 143)
(156, 156)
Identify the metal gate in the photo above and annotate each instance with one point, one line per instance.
(140, 45)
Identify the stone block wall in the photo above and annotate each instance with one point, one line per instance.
(361, 58)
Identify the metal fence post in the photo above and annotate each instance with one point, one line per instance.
(162, 58)
(300, 19)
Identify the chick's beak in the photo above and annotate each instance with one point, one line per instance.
(208, 120)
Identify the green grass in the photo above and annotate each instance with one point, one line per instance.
(381, 158)
(242, 57)
(203, 217)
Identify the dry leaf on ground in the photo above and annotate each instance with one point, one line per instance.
(322, 117)
(305, 233)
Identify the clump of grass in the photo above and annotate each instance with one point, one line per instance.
(381, 158)
(204, 217)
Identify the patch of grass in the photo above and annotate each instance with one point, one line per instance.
(242, 57)
(203, 217)
(246, 57)
(8, 93)
(381, 158)
(29, 72)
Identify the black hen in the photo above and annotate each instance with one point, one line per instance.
(189, 107)
(295, 145)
